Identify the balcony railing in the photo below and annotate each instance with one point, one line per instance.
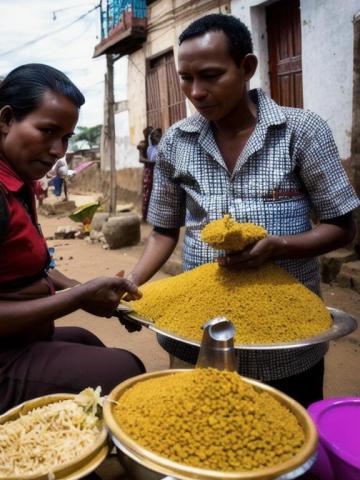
(123, 26)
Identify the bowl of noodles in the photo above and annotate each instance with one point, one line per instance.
(60, 436)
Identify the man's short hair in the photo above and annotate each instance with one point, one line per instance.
(237, 33)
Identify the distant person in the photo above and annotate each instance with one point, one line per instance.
(39, 109)
(154, 139)
(58, 174)
(144, 143)
(143, 146)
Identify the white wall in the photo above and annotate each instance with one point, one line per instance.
(126, 154)
(327, 36)
(327, 58)
(253, 16)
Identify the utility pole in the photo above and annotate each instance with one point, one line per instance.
(355, 137)
(109, 131)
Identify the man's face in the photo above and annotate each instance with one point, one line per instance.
(33, 144)
(209, 77)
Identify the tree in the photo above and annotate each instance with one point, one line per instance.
(91, 135)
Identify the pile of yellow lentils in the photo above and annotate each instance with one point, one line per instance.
(266, 305)
(227, 234)
(209, 419)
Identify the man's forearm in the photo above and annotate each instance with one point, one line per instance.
(322, 239)
(157, 250)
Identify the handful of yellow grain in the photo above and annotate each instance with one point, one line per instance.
(209, 419)
(48, 437)
(227, 234)
(266, 305)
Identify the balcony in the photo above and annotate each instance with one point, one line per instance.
(123, 27)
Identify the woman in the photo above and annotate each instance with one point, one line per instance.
(148, 170)
(154, 140)
(39, 108)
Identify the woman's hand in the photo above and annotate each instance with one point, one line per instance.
(102, 295)
(272, 246)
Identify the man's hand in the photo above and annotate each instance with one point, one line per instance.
(102, 295)
(272, 246)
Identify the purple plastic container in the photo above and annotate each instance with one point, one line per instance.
(338, 424)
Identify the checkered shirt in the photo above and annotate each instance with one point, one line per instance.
(289, 167)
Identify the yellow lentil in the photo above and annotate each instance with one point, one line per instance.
(227, 234)
(242, 429)
(266, 305)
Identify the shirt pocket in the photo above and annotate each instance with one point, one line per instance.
(288, 216)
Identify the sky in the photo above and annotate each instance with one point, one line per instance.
(68, 48)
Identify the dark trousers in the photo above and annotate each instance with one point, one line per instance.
(71, 361)
(305, 387)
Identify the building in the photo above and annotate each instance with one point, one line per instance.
(305, 51)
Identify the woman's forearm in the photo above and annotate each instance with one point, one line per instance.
(15, 316)
(157, 250)
(61, 281)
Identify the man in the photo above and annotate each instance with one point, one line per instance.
(262, 163)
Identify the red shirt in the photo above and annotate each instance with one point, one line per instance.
(23, 250)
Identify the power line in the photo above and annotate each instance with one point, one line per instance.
(46, 35)
(67, 8)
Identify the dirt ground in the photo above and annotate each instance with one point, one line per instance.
(82, 261)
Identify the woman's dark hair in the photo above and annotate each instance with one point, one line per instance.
(237, 33)
(23, 88)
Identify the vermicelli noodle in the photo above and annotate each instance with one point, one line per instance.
(47, 437)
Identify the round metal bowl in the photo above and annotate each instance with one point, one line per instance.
(342, 325)
(74, 470)
(145, 465)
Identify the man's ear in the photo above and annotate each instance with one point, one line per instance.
(6, 119)
(249, 64)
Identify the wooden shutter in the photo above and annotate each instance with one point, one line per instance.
(284, 43)
(165, 101)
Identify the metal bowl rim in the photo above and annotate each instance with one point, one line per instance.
(169, 467)
(343, 324)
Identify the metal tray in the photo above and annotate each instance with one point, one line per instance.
(343, 324)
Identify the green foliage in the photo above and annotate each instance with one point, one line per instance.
(91, 135)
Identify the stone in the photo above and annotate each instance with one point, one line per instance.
(66, 206)
(98, 220)
(331, 263)
(122, 230)
(66, 232)
(349, 276)
(124, 207)
(95, 235)
(57, 208)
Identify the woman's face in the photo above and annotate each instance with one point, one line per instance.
(33, 144)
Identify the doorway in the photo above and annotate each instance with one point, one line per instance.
(283, 22)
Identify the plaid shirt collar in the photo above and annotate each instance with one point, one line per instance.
(269, 114)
